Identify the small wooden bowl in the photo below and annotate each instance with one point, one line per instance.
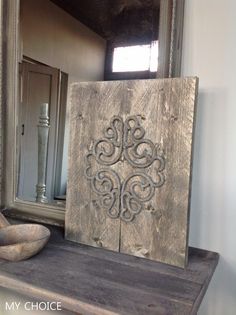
(19, 242)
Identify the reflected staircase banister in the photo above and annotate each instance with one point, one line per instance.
(43, 135)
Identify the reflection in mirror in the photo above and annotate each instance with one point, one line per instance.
(62, 42)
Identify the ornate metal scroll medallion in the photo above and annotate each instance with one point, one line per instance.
(124, 141)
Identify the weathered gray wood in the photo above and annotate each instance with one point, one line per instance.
(88, 280)
(160, 232)
(164, 111)
(86, 222)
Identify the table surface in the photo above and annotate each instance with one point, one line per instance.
(89, 280)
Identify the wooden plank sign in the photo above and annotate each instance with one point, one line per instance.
(130, 166)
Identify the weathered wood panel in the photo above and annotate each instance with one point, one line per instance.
(130, 166)
(88, 280)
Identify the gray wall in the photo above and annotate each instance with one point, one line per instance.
(209, 50)
(53, 37)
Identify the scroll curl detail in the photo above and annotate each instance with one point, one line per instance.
(124, 140)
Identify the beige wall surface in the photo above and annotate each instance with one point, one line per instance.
(53, 37)
(209, 50)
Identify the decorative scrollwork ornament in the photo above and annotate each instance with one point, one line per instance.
(124, 140)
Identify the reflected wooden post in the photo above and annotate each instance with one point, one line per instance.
(43, 133)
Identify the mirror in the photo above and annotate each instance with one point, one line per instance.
(58, 43)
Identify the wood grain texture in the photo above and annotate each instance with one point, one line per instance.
(88, 280)
(165, 110)
(21, 241)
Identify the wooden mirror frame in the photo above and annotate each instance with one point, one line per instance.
(170, 48)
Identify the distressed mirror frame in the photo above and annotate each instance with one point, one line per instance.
(170, 43)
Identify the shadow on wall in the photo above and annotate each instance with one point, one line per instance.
(213, 203)
(209, 170)
(223, 281)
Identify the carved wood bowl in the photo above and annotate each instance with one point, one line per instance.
(19, 242)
